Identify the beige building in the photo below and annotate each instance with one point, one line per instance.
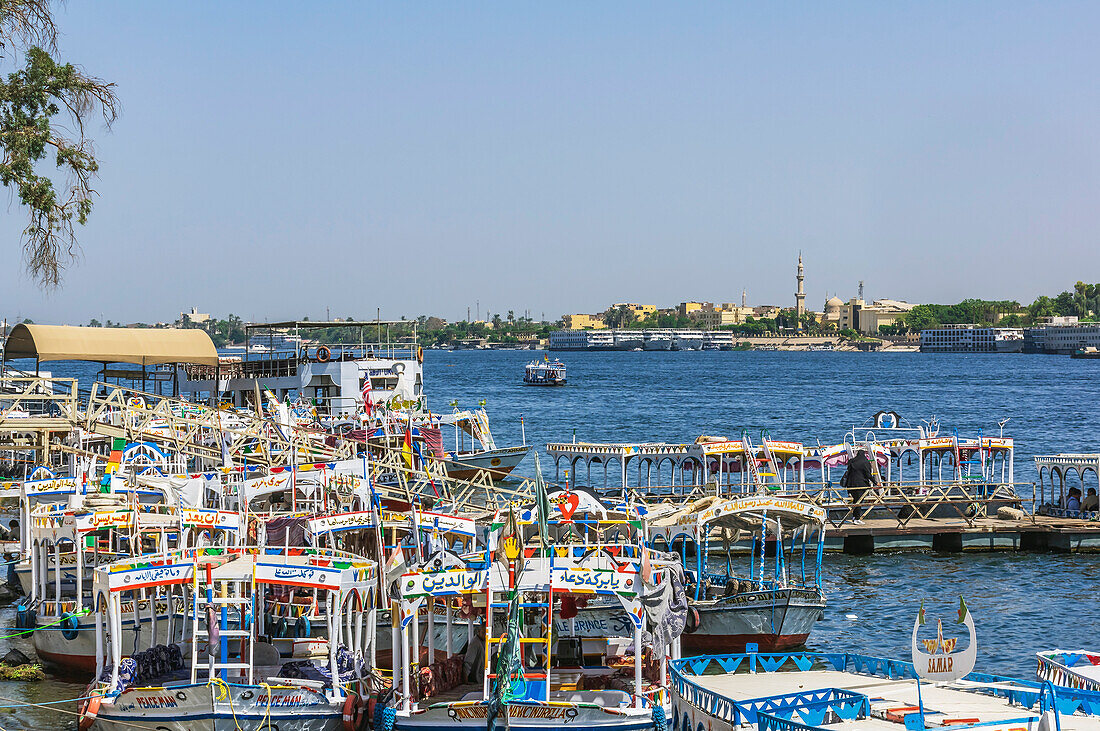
(584, 322)
(833, 307)
(686, 308)
(194, 316)
(868, 318)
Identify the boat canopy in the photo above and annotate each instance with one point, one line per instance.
(142, 346)
(746, 514)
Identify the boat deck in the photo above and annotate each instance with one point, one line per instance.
(945, 705)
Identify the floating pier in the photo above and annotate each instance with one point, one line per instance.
(949, 535)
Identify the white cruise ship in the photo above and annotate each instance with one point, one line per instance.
(333, 377)
(656, 340)
(972, 339)
(687, 340)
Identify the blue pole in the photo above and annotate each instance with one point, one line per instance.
(920, 705)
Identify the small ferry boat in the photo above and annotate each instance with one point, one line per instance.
(1086, 353)
(532, 674)
(547, 373)
(773, 602)
(480, 453)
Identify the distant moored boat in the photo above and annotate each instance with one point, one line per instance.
(546, 373)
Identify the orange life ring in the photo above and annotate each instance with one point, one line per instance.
(323, 354)
(353, 712)
(89, 713)
(420, 354)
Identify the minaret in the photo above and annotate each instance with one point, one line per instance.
(799, 296)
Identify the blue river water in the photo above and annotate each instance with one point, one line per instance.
(1022, 602)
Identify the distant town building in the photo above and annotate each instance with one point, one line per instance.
(855, 314)
(640, 311)
(882, 312)
(194, 317)
(766, 311)
(582, 321)
(972, 339)
(686, 308)
(831, 313)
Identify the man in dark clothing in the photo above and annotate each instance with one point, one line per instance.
(859, 477)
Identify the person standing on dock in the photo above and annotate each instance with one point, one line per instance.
(857, 479)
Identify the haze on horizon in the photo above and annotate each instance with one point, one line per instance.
(273, 160)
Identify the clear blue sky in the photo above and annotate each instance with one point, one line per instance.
(277, 158)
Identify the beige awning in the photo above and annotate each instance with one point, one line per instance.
(143, 346)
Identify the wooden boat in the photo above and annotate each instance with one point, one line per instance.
(479, 454)
(776, 599)
(530, 678)
(218, 670)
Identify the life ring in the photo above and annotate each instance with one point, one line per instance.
(420, 354)
(89, 713)
(280, 627)
(69, 626)
(352, 713)
(302, 627)
(323, 354)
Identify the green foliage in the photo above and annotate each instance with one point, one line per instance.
(619, 317)
(44, 107)
(657, 321)
(969, 311)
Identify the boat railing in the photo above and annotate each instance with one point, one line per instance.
(25, 401)
(902, 501)
(1025, 693)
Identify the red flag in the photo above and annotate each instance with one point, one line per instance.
(407, 447)
(368, 405)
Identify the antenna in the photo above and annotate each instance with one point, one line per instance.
(1002, 423)
(861, 289)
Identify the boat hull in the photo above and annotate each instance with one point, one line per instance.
(220, 708)
(77, 656)
(467, 715)
(775, 622)
(498, 462)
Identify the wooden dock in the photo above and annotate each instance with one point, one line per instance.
(948, 535)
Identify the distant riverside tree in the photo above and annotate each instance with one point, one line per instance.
(45, 106)
(619, 317)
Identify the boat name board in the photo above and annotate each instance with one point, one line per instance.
(219, 519)
(744, 504)
(128, 579)
(479, 711)
(317, 577)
